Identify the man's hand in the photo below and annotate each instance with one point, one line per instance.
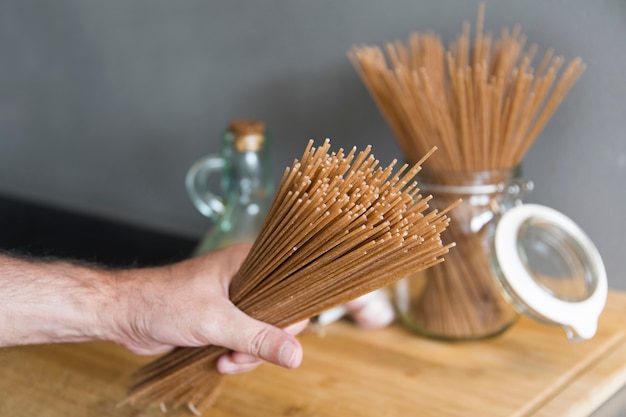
(187, 304)
(147, 310)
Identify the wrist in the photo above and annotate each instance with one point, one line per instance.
(124, 317)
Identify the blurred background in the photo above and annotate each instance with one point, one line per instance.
(104, 105)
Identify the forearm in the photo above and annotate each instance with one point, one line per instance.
(53, 302)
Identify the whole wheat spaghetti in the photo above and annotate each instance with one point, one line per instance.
(483, 104)
(340, 226)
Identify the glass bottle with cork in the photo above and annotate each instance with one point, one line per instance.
(247, 186)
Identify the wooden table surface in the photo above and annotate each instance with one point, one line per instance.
(531, 370)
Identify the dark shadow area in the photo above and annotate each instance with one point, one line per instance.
(28, 228)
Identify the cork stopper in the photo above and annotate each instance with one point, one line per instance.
(249, 135)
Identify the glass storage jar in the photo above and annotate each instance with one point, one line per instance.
(509, 258)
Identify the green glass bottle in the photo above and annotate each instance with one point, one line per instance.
(247, 186)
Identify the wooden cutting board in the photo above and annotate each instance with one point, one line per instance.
(532, 370)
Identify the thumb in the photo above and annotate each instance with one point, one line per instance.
(253, 337)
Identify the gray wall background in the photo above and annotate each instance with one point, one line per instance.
(105, 104)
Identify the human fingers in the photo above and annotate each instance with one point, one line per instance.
(246, 335)
(238, 362)
(372, 310)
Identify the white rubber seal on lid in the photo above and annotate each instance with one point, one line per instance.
(579, 317)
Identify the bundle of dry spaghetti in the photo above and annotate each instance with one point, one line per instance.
(483, 105)
(339, 227)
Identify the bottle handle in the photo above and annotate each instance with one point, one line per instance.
(205, 201)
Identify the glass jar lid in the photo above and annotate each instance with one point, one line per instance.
(550, 269)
